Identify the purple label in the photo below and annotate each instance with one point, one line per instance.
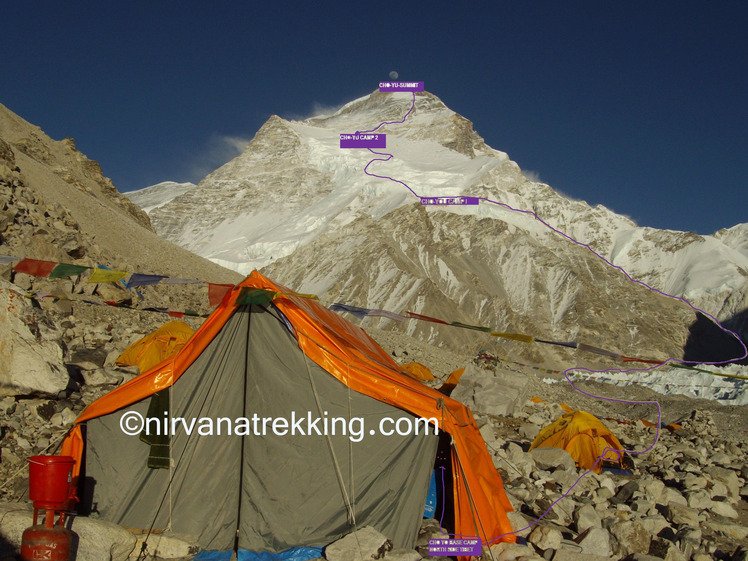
(363, 140)
(463, 547)
(449, 200)
(400, 86)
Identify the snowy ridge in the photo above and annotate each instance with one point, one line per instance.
(158, 195)
(669, 380)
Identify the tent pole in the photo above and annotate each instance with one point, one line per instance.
(244, 415)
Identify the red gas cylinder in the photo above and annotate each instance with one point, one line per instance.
(49, 544)
(50, 480)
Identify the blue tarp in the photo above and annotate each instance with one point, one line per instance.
(293, 554)
(428, 512)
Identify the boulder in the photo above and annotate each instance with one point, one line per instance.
(98, 540)
(728, 529)
(167, 546)
(727, 477)
(569, 555)
(654, 524)
(363, 545)
(529, 431)
(699, 499)
(512, 551)
(402, 555)
(521, 524)
(495, 392)
(550, 458)
(30, 354)
(723, 509)
(670, 495)
(594, 541)
(631, 536)
(652, 488)
(545, 537)
(680, 514)
(586, 517)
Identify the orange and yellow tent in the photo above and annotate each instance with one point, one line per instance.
(584, 437)
(156, 347)
(418, 371)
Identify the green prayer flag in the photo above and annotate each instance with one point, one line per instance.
(63, 270)
(466, 326)
(257, 296)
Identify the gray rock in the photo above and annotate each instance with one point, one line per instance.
(495, 392)
(586, 517)
(670, 495)
(569, 555)
(654, 524)
(545, 537)
(680, 514)
(489, 434)
(168, 546)
(718, 489)
(723, 509)
(631, 536)
(726, 476)
(652, 488)
(529, 431)
(363, 545)
(595, 541)
(699, 499)
(403, 555)
(30, 360)
(512, 551)
(626, 492)
(602, 495)
(728, 529)
(552, 458)
(520, 521)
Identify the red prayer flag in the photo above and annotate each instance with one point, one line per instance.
(216, 292)
(644, 360)
(176, 314)
(35, 267)
(425, 318)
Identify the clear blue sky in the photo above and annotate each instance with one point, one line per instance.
(640, 106)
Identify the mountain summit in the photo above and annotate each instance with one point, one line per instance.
(342, 223)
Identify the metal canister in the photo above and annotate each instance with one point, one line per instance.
(40, 543)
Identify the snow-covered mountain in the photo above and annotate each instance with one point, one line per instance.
(158, 195)
(298, 205)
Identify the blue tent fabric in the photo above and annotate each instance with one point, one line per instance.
(293, 554)
(428, 512)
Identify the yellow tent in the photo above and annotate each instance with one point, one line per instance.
(156, 347)
(418, 371)
(584, 437)
(451, 383)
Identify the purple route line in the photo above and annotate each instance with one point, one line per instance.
(629, 277)
(444, 497)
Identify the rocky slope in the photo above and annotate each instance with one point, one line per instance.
(57, 355)
(302, 208)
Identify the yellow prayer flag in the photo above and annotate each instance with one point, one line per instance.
(105, 275)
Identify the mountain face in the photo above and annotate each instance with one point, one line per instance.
(303, 209)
